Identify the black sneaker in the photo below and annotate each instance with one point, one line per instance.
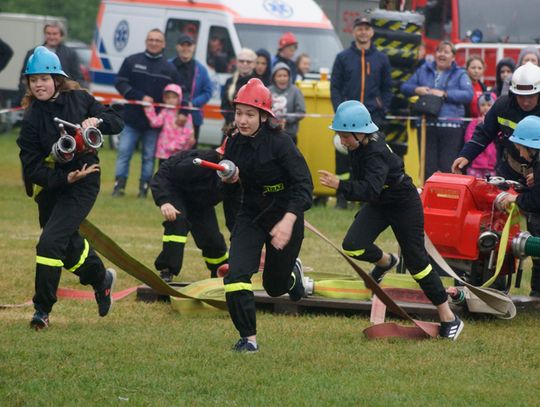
(166, 275)
(104, 293)
(297, 290)
(451, 330)
(534, 293)
(243, 345)
(39, 321)
(378, 272)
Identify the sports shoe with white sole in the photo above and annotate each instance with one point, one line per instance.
(243, 345)
(451, 330)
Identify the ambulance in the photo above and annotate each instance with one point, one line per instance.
(122, 26)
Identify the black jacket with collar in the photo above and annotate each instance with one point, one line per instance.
(378, 175)
(498, 126)
(274, 175)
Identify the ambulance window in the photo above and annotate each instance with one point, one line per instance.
(220, 54)
(175, 28)
(438, 25)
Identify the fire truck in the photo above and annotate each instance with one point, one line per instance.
(493, 29)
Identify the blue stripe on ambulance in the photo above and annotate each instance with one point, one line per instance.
(103, 78)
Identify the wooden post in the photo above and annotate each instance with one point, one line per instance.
(423, 135)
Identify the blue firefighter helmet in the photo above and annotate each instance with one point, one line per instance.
(353, 117)
(527, 132)
(43, 61)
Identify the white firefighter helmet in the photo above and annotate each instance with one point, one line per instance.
(526, 80)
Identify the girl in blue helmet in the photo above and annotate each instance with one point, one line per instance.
(390, 199)
(526, 138)
(64, 191)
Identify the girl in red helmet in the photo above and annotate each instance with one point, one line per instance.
(277, 189)
(176, 131)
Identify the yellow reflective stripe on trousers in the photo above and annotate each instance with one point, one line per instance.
(175, 238)
(83, 257)
(47, 261)
(229, 288)
(218, 260)
(353, 253)
(506, 122)
(423, 273)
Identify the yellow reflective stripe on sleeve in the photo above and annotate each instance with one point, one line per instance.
(355, 252)
(47, 261)
(218, 260)
(344, 177)
(506, 122)
(175, 238)
(423, 273)
(83, 257)
(229, 288)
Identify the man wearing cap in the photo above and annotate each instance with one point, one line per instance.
(194, 79)
(142, 77)
(288, 44)
(362, 73)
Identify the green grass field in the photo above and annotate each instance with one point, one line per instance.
(146, 354)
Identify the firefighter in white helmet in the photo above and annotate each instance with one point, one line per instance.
(499, 125)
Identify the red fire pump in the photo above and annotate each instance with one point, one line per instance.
(465, 223)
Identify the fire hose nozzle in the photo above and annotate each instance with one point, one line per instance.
(498, 201)
(92, 137)
(87, 139)
(225, 168)
(64, 149)
(523, 245)
(229, 169)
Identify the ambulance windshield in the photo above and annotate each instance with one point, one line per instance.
(513, 21)
(321, 45)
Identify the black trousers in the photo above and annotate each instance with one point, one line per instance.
(443, 145)
(203, 225)
(406, 218)
(60, 244)
(247, 241)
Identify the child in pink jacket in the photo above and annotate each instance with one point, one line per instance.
(484, 164)
(177, 132)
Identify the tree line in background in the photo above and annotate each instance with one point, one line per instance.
(81, 15)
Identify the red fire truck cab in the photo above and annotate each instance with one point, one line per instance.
(493, 29)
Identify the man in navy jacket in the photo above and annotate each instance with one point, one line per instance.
(362, 73)
(194, 79)
(141, 77)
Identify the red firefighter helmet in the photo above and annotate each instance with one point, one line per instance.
(255, 94)
(287, 39)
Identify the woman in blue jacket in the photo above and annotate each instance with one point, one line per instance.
(443, 78)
